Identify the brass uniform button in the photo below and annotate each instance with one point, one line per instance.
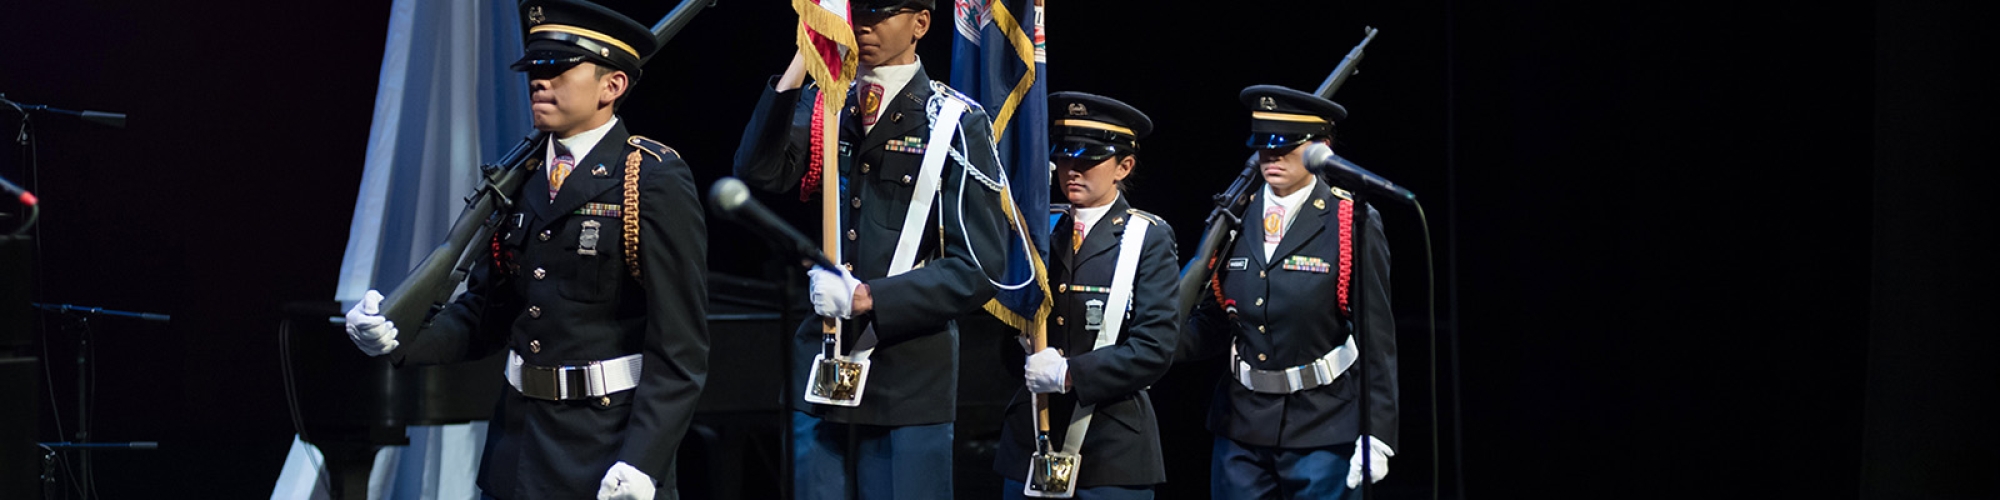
(1260, 301)
(1062, 288)
(1260, 275)
(864, 167)
(535, 347)
(534, 311)
(604, 402)
(1260, 357)
(541, 273)
(906, 179)
(851, 235)
(856, 203)
(1059, 320)
(1260, 328)
(544, 236)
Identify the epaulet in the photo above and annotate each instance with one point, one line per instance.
(654, 148)
(1341, 193)
(941, 91)
(1154, 219)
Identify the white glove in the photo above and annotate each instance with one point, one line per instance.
(370, 331)
(625, 482)
(833, 293)
(1378, 461)
(1047, 371)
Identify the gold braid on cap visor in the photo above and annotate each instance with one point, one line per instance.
(1287, 117)
(592, 35)
(1095, 125)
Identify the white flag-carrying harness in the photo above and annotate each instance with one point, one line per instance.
(1129, 247)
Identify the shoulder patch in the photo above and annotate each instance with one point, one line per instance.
(1154, 219)
(941, 91)
(653, 148)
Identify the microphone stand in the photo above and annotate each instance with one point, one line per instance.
(81, 317)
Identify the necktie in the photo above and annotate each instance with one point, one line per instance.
(1076, 237)
(1274, 224)
(560, 171)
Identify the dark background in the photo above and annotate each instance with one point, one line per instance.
(1714, 249)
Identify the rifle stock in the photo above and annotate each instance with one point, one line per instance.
(1224, 219)
(432, 282)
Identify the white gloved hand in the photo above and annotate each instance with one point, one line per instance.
(833, 293)
(1378, 461)
(370, 331)
(1048, 371)
(625, 482)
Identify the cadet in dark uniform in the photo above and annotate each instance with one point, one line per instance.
(1287, 417)
(903, 421)
(1112, 333)
(596, 289)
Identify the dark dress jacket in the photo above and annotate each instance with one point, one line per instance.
(913, 378)
(1288, 317)
(543, 299)
(1122, 446)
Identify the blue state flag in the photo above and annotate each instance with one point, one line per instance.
(999, 59)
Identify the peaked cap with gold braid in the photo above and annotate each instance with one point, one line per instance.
(565, 32)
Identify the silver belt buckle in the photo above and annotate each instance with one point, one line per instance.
(541, 383)
(556, 383)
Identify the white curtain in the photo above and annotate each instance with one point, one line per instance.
(446, 103)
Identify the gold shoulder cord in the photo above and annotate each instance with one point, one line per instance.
(630, 215)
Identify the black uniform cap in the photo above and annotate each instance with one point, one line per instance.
(886, 7)
(1094, 127)
(1282, 117)
(561, 33)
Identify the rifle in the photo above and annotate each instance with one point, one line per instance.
(1227, 216)
(430, 284)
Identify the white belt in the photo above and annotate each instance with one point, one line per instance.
(1318, 373)
(556, 383)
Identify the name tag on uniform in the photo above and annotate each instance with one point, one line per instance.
(587, 244)
(1239, 264)
(1093, 315)
(910, 144)
(1307, 264)
(844, 147)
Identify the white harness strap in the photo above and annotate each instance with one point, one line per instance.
(1129, 248)
(928, 179)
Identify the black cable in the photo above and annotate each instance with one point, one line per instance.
(89, 467)
(1430, 304)
(292, 403)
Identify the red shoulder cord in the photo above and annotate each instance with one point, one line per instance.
(1346, 253)
(500, 256)
(810, 184)
(1215, 285)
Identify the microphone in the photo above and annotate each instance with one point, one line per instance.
(27, 198)
(1320, 159)
(731, 199)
